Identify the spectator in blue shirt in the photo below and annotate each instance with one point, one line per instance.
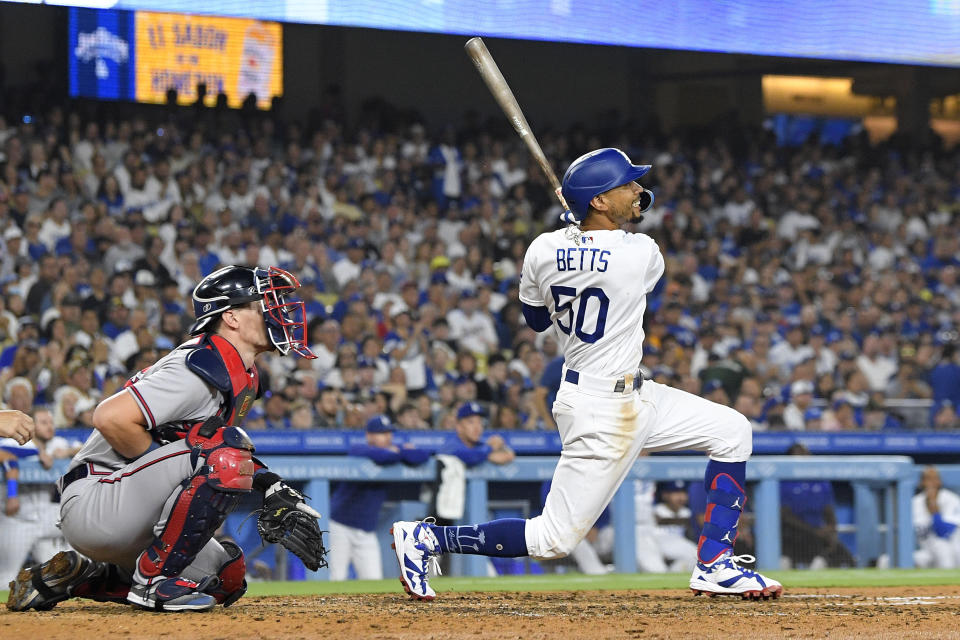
(809, 531)
(945, 377)
(27, 333)
(467, 443)
(354, 506)
(943, 416)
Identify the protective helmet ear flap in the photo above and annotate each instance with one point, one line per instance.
(646, 200)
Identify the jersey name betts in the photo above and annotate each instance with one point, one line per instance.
(595, 286)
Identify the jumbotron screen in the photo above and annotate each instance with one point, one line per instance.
(140, 55)
(902, 31)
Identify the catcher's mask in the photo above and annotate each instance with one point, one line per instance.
(231, 286)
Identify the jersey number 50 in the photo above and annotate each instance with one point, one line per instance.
(576, 325)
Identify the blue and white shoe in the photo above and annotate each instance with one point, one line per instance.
(417, 550)
(724, 576)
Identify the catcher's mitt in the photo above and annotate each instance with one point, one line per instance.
(288, 520)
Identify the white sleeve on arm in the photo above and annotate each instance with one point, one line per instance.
(529, 287)
(173, 393)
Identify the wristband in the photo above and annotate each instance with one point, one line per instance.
(153, 445)
(12, 486)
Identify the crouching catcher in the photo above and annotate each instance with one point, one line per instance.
(166, 463)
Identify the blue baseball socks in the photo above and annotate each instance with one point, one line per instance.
(505, 538)
(500, 538)
(724, 482)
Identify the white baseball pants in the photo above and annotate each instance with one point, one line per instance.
(34, 529)
(604, 432)
(362, 548)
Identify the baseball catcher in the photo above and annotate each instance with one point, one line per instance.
(167, 462)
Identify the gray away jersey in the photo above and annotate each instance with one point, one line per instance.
(167, 393)
(595, 285)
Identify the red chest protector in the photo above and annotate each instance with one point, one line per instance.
(218, 363)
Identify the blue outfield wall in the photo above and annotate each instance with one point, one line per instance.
(892, 477)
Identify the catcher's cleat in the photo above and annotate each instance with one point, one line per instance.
(725, 576)
(42, 586)
(172, 594)
(417, 550)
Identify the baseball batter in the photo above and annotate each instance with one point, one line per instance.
(591, 280)
(166, 464)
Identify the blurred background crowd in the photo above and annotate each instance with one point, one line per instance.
(811, 287)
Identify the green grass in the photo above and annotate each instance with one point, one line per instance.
(577, 582)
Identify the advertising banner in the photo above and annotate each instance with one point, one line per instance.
(229, 55)
(124, 55)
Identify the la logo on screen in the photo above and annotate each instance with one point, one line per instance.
(99, 46)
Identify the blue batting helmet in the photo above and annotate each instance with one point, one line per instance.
(593, 173)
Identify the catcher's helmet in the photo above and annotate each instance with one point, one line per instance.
(593, 173)
(236, 285)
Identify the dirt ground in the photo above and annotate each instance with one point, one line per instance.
(907, 612)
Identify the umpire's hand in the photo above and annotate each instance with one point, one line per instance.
(17, 425)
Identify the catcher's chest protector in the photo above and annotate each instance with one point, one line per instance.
(219, 364)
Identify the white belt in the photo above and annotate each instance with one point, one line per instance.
(624, 385)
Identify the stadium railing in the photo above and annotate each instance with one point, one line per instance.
(894, 477)
(547, 443)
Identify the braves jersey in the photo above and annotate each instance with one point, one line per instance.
(595, 286)
(167, 393)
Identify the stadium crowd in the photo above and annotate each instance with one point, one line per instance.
(805, 286)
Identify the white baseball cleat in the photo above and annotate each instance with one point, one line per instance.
(417, 550)
(724, 576)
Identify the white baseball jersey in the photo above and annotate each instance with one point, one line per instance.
(949, 504)
(595, 285)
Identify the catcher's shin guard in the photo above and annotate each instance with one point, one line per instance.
(196, 514)
(204, 499)
(232, 583)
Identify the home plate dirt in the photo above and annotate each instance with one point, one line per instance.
(890, 612)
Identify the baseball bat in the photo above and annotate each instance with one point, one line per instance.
(498, 86)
